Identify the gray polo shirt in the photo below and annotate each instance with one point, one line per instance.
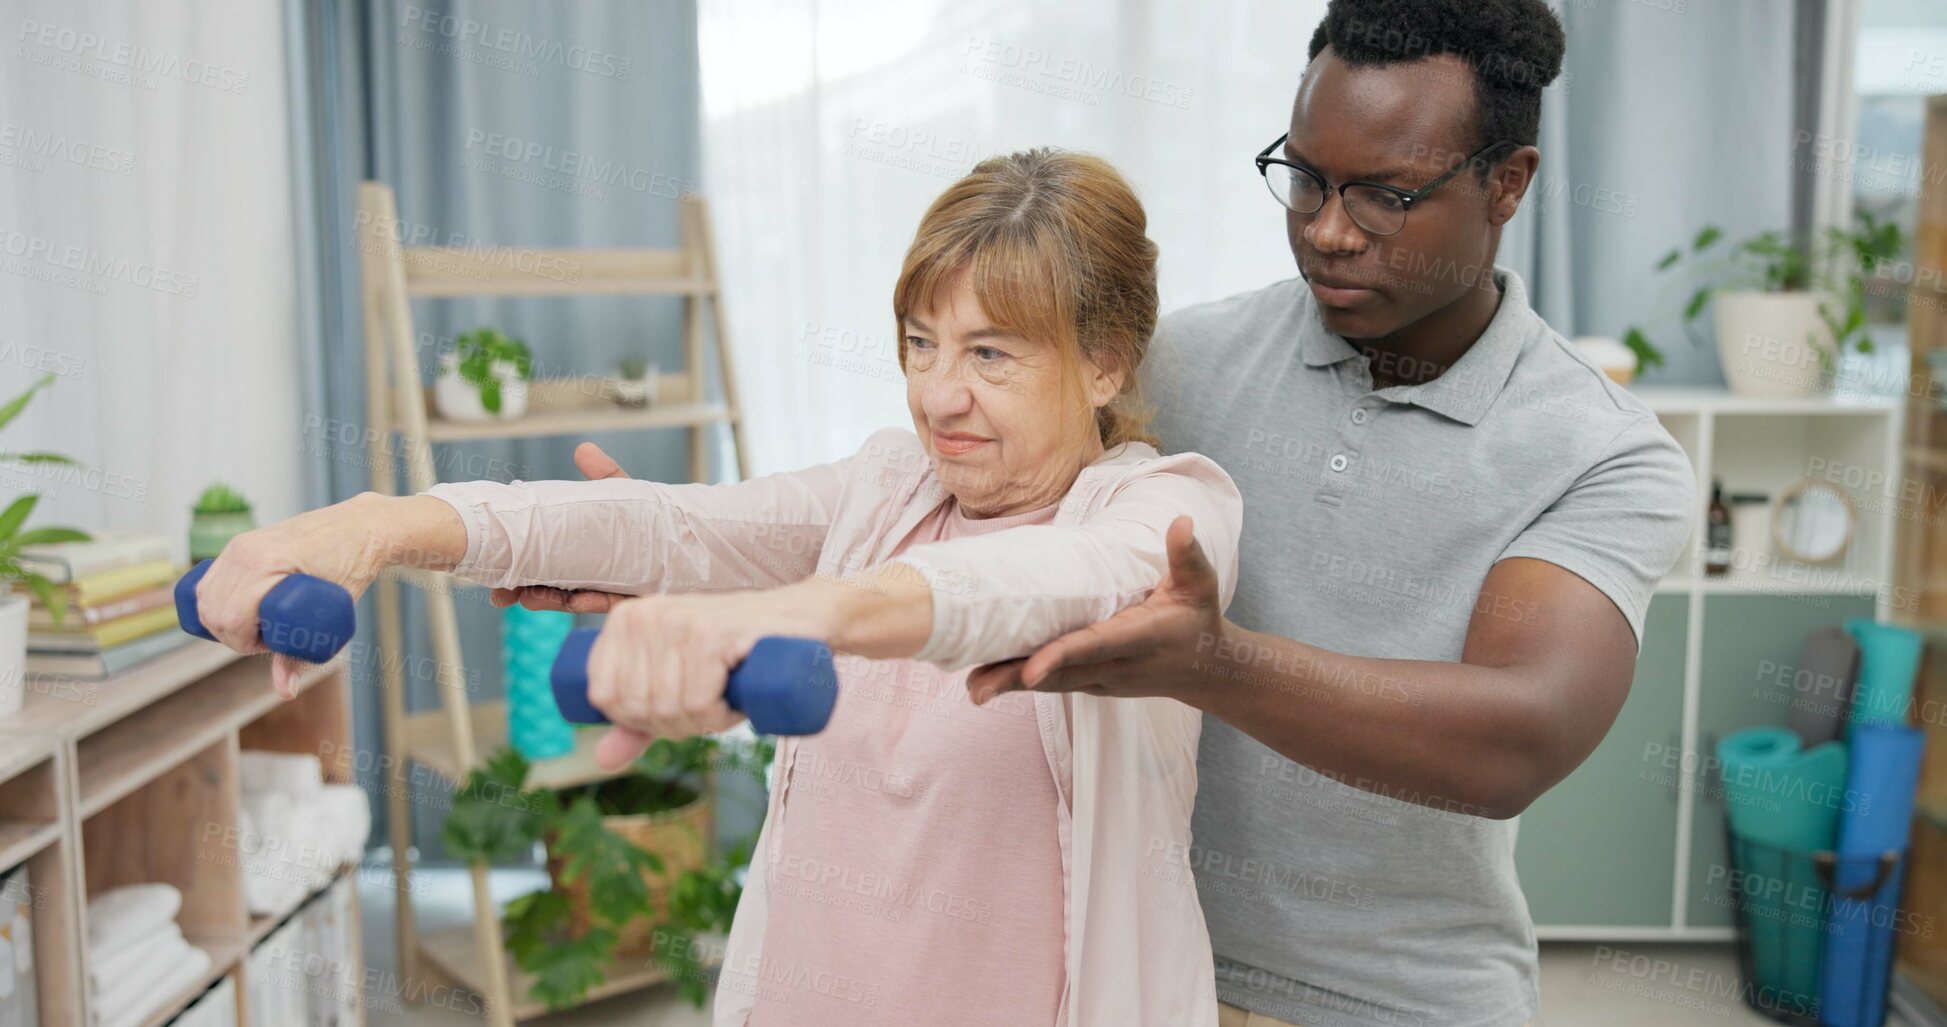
(1371, 519)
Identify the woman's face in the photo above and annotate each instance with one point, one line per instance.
(1004, 431)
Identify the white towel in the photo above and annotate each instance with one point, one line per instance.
(347, 816)
(105, 974)
(297, 775)
(142, 987)
(179, 975)
(121, 917)
(271, 887)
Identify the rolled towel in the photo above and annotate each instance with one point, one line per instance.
(348, 822)
(105, 974)
(271, 885)
(180, 975)
(298, 775)
(124, 916)
(139, 988)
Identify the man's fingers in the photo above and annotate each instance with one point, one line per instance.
(595, 464)
(990, 680)
(1189, 568)
(541, 597)
(592, 601)
(1098, 643)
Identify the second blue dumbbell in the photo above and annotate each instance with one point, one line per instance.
(786, 686)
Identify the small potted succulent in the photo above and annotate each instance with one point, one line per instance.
(13, 535)
(484, 378)
(635, 382)
(221, 514)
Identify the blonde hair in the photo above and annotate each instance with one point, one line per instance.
(1053, 245)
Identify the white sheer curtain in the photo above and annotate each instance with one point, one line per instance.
(828, 128)
(146, 230)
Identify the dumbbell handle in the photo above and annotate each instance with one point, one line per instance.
(301, 616)
(786, 686)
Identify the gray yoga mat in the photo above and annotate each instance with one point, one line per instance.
(1822, 688)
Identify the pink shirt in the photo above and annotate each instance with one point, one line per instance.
(919, 853)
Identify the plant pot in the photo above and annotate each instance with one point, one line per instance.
(13, 653)
(209, 532)
(459, 400)
(1614, 359)
(1775, 345)
(632, 392)
(680, 836)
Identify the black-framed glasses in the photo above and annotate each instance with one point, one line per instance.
(1377, 208)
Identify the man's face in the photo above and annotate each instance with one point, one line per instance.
(1403, 124)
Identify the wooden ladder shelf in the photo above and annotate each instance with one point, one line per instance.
(454, 737)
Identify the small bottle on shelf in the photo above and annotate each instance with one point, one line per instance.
(1717, 534)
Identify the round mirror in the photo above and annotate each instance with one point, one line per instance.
(1812, 522)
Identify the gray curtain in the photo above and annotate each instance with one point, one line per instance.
(1666, 119)
(486, 117)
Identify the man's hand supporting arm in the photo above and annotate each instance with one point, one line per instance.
(1546, 665)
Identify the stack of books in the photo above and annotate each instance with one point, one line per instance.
(120, 588)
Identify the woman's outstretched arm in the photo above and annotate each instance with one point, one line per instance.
(660, 665)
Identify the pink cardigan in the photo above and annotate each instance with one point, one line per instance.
(1138, 951)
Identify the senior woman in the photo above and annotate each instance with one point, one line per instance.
(925, 859)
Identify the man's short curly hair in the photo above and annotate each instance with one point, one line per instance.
(1513, 46)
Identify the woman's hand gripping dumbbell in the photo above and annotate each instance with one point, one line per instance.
(253, 596)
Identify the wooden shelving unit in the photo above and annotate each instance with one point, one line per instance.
(1922, 567)
(454, 736)
(134, 779)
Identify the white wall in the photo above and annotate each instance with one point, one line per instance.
(146, 257)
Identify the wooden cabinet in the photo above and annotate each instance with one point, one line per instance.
(134, 779)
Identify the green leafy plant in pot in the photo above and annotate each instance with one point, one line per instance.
(630, 863)
(1784, 314)
(14, 535)
(221, 514)
(484, 378)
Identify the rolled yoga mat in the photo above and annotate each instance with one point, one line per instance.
(1878, 818)
(1822, 688)
(529, 640)
(1889, 660)
(1784, 800)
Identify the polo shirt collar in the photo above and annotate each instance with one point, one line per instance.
(1468, 388)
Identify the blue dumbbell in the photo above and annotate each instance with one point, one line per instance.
(302, 616)
(786, 686)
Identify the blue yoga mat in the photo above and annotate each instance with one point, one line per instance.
(1879, 815)
(1889, 660)
(1784, 801)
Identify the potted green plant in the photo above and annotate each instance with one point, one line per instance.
(484, 378)
(13, 535)
(635, 382)
(1784, 314)
(631, 866)
(221, 514)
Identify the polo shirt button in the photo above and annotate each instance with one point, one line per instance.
(1358, 415)
(1338, 461)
